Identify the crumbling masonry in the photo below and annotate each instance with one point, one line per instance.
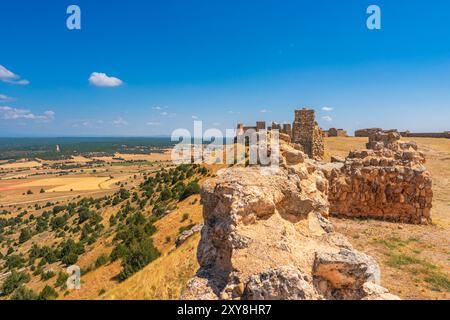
(308, 134)
(386, 181)
(305, 131)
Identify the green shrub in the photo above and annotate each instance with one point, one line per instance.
(25, 235)
(101, 260)
(191, 189)
(23, 293)
(47, 275)
(13, 281)
(184, 217)
(14, 261)
(48, 293)
(138, 255)
(62, 279)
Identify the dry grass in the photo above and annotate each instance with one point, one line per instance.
(163, 279)
(20, 165)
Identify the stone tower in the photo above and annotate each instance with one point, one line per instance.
(260, 125)
(307, 133)
(287, 129)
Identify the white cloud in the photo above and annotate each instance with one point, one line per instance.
(10, 77)
(168, 114)
(327, 109)
(156, 108)
(264, 111)
(233, 112)
(99, 79)
(9, 113)
(87, 123)
(195, 117)
(327, 118)
(119, 122)
(152, 123)
(5, 98)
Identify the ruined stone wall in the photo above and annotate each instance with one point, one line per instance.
(387, 182)
(275, 126)
(260, 125)
(287, 129)
(366, 132)
(307, 133)
(333, 132)
(445, 134)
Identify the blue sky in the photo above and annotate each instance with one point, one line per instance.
(222, 62)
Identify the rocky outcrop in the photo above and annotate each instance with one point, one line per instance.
(266, 236)
(386, 181)
(187, 234)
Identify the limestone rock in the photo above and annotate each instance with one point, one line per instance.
(346, 269)
(187, 234)
(283, 283)
(266, 236)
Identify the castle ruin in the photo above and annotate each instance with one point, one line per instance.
(305, 131)
(308, 134)
(385, 181)
(333, 132)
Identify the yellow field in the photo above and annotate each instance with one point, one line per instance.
(20, 165)
(66, 184)
(137, 157)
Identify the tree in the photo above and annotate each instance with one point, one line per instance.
(138, 255)
(166, 194)
(101, 260)
(191, 189)
(14, 261)
(48, 293)
(25, 235)
(13, 281)
(23, 293)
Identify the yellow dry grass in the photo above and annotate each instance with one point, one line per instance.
(166, 277)
(67, 184)
(79, 159)
(340, 146)
(20, 165)
(163, 279)
(151, 157)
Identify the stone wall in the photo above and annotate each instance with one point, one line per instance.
(287, 129)
(445, 134)
(333, 132)
(366, 132)
(260, 125)
(387, 181)
(242, 129)
(307, 133)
